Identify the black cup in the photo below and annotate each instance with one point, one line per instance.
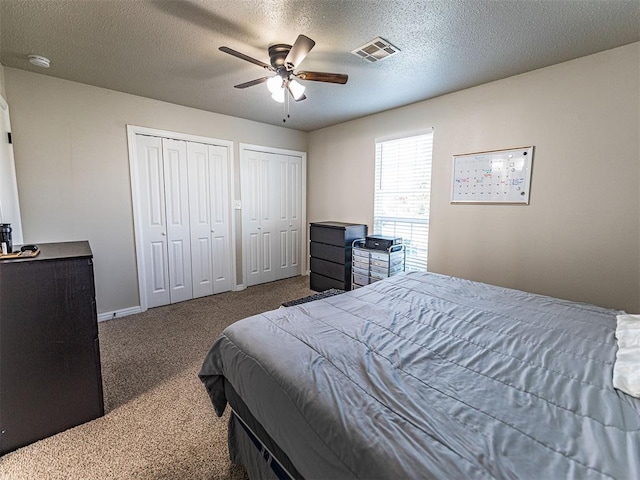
(5, 236)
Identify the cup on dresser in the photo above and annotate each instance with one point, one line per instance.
(5, 238)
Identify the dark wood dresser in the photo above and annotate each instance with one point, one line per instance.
(50, 378)
(331, 254)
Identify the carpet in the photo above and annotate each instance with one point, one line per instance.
(159, 422)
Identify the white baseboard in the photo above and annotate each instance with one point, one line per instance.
(118, 313)
(133, 310)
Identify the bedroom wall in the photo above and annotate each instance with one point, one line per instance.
(70, 145)
(580, 236)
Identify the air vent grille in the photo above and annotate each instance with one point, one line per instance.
(376, 50)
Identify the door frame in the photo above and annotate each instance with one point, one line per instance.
(132, 131)
(246, 147)
(9, 198)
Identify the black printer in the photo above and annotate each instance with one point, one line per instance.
(382, 242)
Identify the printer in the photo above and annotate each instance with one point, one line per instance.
(382, 242)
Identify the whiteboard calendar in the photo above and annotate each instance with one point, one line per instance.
(501, 176)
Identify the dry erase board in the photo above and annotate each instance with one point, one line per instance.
(500, 176)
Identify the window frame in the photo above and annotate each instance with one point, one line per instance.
(405, 222)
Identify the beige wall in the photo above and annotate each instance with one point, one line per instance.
(578, 239)
(70, 145)
(580, 236)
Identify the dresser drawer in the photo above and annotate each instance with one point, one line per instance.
(359, 254)
(378, 275)
(331, 253)
(320, 283)
(330, 269)
(379, 263)
(337, 233)
(331, 236)
(358, 263)
(361, 280)
(360, 271)
(381, 255)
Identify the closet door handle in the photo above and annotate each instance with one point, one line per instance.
(164, 234)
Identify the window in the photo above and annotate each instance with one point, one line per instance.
(402, 191)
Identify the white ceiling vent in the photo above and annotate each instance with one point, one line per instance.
(376, 49)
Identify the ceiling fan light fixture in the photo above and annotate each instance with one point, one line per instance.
(278, 95)
(275, 84)
(296, 89)
(285, 59)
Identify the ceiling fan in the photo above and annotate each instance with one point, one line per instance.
(284, 60)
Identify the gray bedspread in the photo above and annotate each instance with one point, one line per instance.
(428, 376)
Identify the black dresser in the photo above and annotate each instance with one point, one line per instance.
(331, 254)
(50, 378)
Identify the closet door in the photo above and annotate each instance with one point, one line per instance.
(152, 220)
(253, 241)
(164, 209)
(209, 215)
(177, 214)
(272, 198)
(284, 205)
(291, 218)
(182, 216)
(219, 183)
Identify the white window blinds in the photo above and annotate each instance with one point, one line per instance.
(402, 191)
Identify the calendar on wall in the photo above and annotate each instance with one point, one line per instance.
(500, 176)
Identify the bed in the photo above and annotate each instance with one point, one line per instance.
(426, 376)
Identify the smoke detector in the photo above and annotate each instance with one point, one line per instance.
(39, 61)
(377, 49)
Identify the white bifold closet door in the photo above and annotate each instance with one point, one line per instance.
(209, 202)
(164, 195)
(182, 189)
(272, 209)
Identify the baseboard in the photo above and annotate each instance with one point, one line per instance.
(118, 313)
(133, 310)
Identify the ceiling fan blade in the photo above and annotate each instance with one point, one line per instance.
(257, 81)
(299, 50)
(340, 78)
(242, 56)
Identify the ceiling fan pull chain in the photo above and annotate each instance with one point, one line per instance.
(286, 107)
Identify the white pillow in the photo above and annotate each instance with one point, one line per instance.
(626, 369)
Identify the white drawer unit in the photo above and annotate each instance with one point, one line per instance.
(371, 265)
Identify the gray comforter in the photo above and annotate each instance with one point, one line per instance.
(428, 376)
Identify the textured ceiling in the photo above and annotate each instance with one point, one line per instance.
(168, 50)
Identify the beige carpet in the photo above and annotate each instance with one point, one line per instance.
(159, 422)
